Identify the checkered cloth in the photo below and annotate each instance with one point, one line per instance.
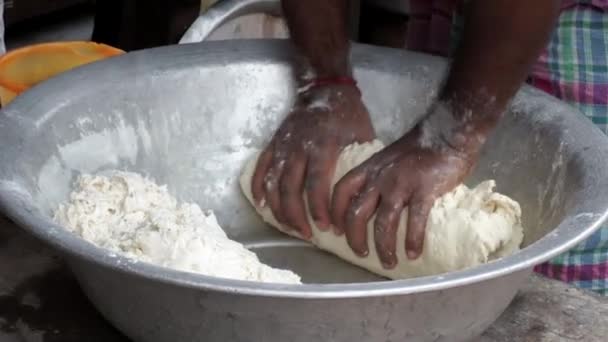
(574, 68)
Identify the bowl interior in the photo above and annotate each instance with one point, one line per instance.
(191, 123)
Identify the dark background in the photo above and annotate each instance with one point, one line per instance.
(126, 24)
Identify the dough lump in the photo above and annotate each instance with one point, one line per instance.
(466, 227)
(131, 215)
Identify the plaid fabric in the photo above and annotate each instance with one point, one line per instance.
(574, 68)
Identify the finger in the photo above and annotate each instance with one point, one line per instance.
(321, 169)
(385, 231)
(271, 187)
(357, 216)
(344, 191)
(291, 192)
(418, 214)
(257, 182)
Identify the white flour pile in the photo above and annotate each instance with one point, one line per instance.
(131, 215)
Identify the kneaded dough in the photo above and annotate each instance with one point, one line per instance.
(466, 227)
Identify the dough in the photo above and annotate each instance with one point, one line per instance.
(466, 227)
(131, 215)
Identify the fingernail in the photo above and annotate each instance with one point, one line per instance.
(412, 255)
(262, 203)
(389, 265)
(306, 235)
(363, 254)
(322, 225)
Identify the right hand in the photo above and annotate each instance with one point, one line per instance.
(303, 152)
(406, 174)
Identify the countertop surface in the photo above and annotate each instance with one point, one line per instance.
(40, 301)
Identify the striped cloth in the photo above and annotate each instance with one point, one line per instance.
(574, 68)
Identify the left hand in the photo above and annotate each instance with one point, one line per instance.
(406, 174)
(302, 154)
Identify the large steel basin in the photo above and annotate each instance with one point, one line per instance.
(189, 116)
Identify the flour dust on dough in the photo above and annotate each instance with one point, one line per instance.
(131, 215)
(466, 227)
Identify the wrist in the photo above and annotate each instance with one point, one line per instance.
(450, 127)
(328, 96)
(478, 111)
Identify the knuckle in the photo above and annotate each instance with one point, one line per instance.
(420, 212)
(279, 160)
(354, 213)
(309, 146)
(393, 197)
(270, 185)
(381, 226)
(270, 182)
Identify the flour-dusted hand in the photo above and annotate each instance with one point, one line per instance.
(302, 154)
(327, 116)
(407, 174)
(487, 69)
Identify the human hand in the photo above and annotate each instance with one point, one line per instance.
(303, 152)
(410, 173)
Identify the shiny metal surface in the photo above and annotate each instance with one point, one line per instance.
(190, 115)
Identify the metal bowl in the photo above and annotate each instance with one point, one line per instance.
(190, 115)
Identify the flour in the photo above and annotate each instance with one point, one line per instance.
(466, 227)
(131, 215)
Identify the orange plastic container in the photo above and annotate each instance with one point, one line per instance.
(23, 68)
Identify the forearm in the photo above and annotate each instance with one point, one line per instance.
(502, 39)
(319, 32)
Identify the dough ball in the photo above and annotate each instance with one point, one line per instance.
(466, 227)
